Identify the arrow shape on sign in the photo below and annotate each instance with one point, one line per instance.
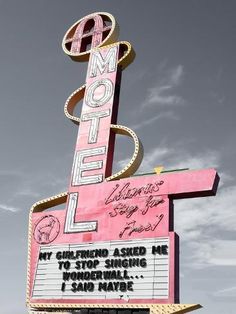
(158, 169)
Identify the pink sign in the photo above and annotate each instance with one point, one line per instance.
(114, 242)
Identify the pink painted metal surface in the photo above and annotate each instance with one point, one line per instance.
(104, 112)
(133, 208)
(96, 24)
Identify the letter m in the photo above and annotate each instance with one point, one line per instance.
(100, 63)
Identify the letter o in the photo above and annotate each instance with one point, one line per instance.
(90, 93)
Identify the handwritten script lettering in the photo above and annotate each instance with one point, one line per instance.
(132, 227)
(151, 202)
(128, 210)
(124, 192)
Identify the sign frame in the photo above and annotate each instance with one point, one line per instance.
(135, 208)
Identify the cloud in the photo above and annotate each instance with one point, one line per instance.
(162, 94)
(209, 158)
(26, 191)
(7, 208)
(169, 158)
(225, 293)
(207, 227)
(162, 115)
(219, 212)
(149, 160)
(212, 252)
(20, 189)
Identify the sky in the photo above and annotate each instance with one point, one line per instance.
(179, 97)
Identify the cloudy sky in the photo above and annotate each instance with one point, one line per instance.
(179, 97)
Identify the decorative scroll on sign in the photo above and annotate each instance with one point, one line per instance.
(114, 244)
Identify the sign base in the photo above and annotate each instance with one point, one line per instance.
(153, 308)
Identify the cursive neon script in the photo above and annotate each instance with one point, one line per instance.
(131, 227)
(126, 192)
(121, 208)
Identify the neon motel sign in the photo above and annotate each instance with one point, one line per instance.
(114, 244)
